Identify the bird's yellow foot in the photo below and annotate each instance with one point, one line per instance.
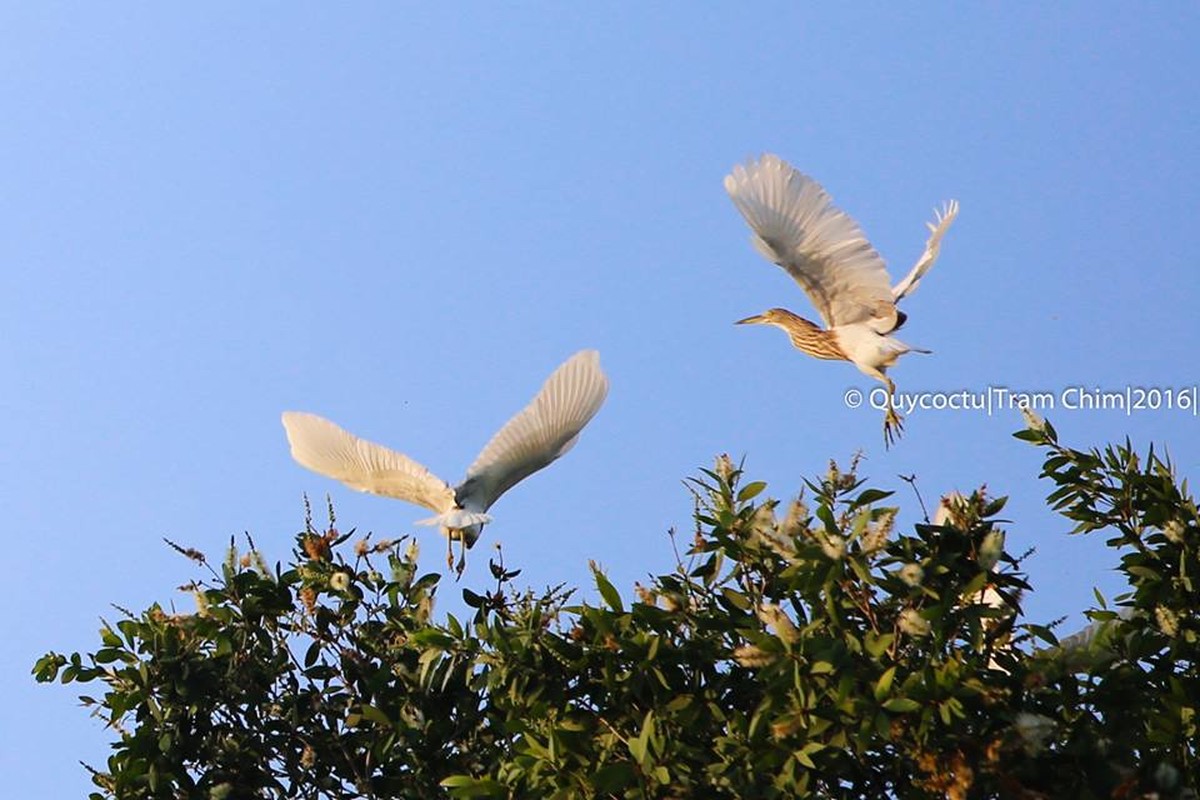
(893, 426)
(458, 567)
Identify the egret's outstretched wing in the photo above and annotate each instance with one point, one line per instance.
(798, 227)
(937, 229)
(544, 430)
(336, 453)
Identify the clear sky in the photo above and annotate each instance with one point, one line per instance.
(404, 216)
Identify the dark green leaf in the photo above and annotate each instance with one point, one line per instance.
(868, 496)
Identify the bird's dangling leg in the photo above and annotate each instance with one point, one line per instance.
(462, 556)
(449, 549)
(893, 424)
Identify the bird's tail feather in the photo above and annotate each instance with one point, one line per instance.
(898, 348)
(457, 519)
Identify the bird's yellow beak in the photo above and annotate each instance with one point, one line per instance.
(757, 319)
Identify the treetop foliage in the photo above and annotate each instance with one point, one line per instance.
(805, 648)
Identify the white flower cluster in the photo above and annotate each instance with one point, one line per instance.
(912, 623)
(912, 574)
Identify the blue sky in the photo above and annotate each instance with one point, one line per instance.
(403, 217)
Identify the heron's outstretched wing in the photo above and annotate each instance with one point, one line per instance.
(544, 430)
(798, 227)
(937, 229)
(336, 453)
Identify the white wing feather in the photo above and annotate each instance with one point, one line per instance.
(797, 226)
(937, 229)
(329, 450)
(544, 430)
(456, 519)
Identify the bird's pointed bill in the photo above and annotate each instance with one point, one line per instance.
(757, 319)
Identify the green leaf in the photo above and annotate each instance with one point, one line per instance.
(373, 714)
(993, 508)
(109, 637)
(609, 592)
(639, 746)
(884, 684)
(871, 496)
(736, 598)
(47, 667)
(652, 650)
(107, 655)
(974, 585)
(679, 702)
(467, 786)
(901, 705)
(612, 778)
(804, 754)
(751, 490)
(826, 516)
(878, 644)
(312, 654)
(429, 637)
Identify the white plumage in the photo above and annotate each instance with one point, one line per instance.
(540, 433)
(796, 225)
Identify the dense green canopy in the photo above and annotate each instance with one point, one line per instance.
(799, 649)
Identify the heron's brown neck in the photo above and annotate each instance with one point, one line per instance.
(810, 338)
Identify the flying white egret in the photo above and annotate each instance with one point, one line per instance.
(797, 226)
(540, 433)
